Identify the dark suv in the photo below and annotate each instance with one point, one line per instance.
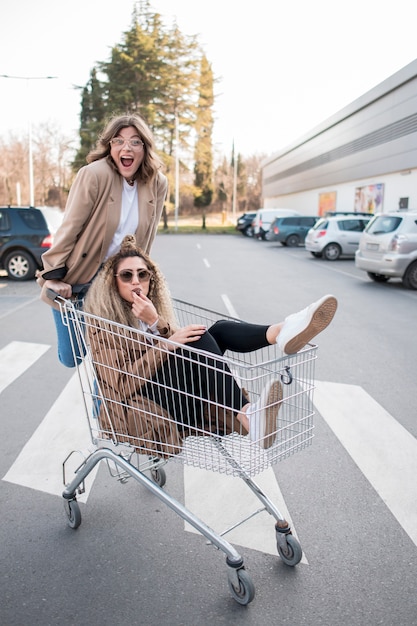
(244, 224)
(24, 237)
(290, 231)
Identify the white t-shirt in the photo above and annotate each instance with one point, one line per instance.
(129, 217)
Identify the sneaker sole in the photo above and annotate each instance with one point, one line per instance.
(274, 400)
(320, 320)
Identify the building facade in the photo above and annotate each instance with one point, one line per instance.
(362, 159)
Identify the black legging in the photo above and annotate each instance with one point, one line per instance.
(199, 378)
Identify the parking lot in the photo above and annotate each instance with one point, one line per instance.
(351, 496)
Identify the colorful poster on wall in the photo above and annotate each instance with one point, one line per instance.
(327, 202)
(369, 199)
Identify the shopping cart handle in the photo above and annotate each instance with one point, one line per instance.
(77, 290)
(51, 294)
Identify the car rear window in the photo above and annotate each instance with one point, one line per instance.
(321, 225)
(33, 219)
(384, 224)
(352, 225)
(4, 221)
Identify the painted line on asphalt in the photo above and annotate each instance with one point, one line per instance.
(229, 306)
(16, 358)
(63, 430)
(227, 500)
(384, 451)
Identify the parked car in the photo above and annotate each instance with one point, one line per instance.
(244, 224)
(24, 237)
(264, 218)
(388, 248)
(336, 236)
(290, 231)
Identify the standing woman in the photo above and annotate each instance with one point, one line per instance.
(120, 191)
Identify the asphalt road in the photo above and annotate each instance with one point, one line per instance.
(351, 495)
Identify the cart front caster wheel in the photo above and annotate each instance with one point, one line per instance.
(159, 476)
(292, 553)
(245, 592)
(72, 510)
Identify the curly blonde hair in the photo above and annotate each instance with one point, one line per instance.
(103, 298)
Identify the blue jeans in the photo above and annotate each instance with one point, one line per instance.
(64, 334)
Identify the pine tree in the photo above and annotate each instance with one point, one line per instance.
(91, 118)
(203, 169)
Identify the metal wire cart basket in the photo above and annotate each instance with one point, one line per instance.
(136, 438)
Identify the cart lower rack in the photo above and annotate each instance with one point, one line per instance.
(140, 417)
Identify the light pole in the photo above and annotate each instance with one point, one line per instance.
(27, 79)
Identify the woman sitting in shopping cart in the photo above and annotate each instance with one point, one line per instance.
(184, 388)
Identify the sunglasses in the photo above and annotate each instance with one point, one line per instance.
(126, 276)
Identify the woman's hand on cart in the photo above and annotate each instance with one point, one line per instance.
(59, 288)
(188, 334)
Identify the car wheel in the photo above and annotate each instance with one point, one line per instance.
(410, 276)
(378, 278)
(20, 265)
(293, 241)
(332, 252)
(248, 232)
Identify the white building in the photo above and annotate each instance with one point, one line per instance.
(363, 158)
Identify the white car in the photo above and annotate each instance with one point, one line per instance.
(388, 248)
(337, 235)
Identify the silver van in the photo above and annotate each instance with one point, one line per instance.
(264, 218)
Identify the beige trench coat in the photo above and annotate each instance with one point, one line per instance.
(91, 218)
(123, 364)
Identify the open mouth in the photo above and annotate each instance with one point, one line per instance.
(137, 291)
(126, 161)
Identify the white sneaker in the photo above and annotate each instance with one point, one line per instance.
(262, 415)
(300, 328)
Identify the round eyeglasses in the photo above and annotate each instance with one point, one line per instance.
(126, 276)
(119, 142)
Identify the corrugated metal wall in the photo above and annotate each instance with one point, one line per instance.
(374, 136)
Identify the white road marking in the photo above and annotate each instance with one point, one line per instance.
(229, 306)
(64, 429)
(206, 263)
(20, 306)
(16, 358)
(227, 500)
(383, 450)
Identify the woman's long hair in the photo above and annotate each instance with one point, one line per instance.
(103, 298)
(151, 163)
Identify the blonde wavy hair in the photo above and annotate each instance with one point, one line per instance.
(150, 164)
(103, 298)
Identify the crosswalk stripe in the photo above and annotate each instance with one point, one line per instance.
(16, 358)
(227, 500)
(384, 451)
(64, 429)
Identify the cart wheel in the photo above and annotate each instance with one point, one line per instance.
(245, 592)
(159, 476)
(293, 553)
(72, 510)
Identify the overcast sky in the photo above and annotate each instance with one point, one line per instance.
(283, 67)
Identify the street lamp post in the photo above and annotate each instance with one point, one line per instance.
(27, 79)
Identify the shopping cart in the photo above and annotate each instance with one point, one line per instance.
(136, 438)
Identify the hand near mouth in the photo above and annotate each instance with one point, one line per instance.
(143, 309)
